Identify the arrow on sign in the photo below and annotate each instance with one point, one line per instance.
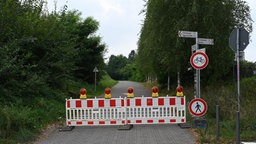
(205, 41)
(187, 34)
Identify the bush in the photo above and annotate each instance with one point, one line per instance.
(23, 123)
(226, 97)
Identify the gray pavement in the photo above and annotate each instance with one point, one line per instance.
(121, 89)
(139, 134)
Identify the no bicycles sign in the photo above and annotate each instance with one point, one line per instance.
(199, 60)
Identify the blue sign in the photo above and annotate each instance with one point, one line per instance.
(199, 123)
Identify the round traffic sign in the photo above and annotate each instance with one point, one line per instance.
(197, 107)
(199, 60)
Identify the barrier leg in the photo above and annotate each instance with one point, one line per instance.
(66, 128)
(126, 126)
(184, 125)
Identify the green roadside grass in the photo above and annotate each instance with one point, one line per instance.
(24, 120)
(21, 122)
(105, 82)
(226, 97)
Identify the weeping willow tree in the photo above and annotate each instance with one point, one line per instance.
(161, 52)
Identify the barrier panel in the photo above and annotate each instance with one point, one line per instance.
(81, 112)
(148, 110)
(122, 111)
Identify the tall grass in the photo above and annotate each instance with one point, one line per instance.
(23, 120)
(74, 87)
(20, 123)
(226, 98)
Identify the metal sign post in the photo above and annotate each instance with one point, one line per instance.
(191, 34)
(238, 41)
(203, 41)
(238, 90)
(198, 90)
(238, 70)
(95, 70)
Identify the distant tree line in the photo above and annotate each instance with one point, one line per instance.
(122, 68)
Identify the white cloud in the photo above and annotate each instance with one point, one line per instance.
(120, 22)
(124, 47)
(250, 51)
(111, 6)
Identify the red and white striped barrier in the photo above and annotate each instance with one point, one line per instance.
(148, 110)
(81, 112)
(121, 111)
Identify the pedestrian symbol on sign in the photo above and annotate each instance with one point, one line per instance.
(198, 106)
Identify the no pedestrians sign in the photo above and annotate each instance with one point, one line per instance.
(197, 107)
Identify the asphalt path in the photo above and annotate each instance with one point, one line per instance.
(139, 134)
(121, 89)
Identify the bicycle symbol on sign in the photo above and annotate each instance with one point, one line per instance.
(199, 60)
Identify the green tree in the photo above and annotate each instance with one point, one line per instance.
(40, 54)
(115, 67)
(161, 52)
(131, 56)
(88, 46)
(42, 50)
(131, 70)
(247, 69)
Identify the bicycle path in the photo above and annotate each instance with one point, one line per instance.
(139, 134)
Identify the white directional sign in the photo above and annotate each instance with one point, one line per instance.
(201, 50)
(95, 69)
(187, 34)
(197, 107)
(205, 41)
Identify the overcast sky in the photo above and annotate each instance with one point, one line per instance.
(120, 22)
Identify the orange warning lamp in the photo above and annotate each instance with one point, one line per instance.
(107, 93)
(179, 90)
(130, 93)
(154, 91)
(83, 93)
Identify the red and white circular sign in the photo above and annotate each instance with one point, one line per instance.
(197, 107)
(199, 60)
